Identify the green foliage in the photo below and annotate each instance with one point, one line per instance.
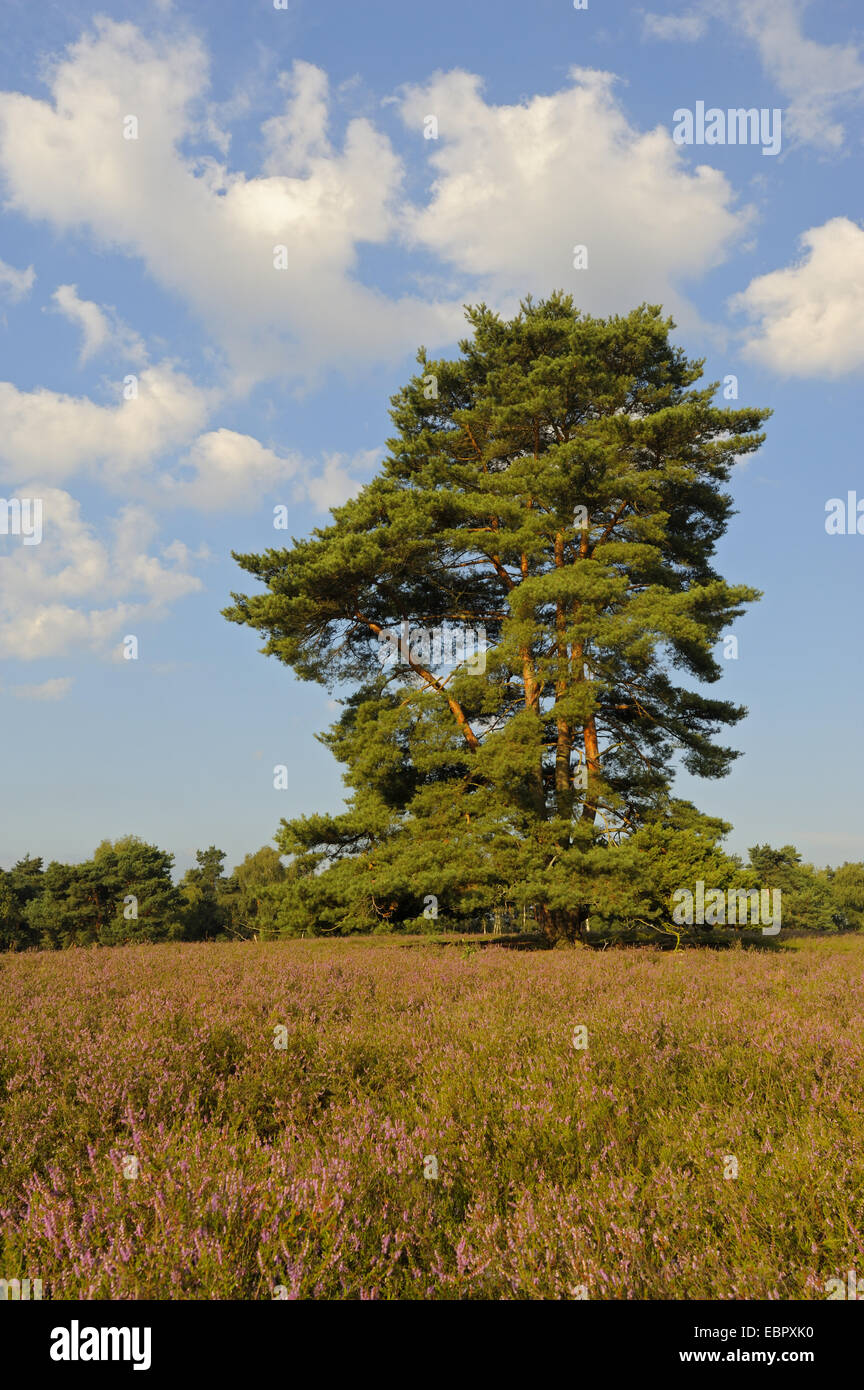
(20, 886)
(452, 876)
(847, 889)
(141, 902)
(675, 849)
(243, 904)
(10, 920)
(125, 894)
(205, 891)
(259, 880)
(560, 488)
(809, 900)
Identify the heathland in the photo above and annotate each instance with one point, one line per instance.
(400, 1118)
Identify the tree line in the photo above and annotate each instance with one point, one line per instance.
(125, 894)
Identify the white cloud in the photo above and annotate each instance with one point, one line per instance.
(207, 233)
(517, 187)
(100, 327)
(816, 78)
(340, 478)
(152, 446)
(299, 136)
(77, 589)
(683, 28)
(229, 471)
(56, 689)
(572, 163)
(235, 472)
(220, 114)
(16, 284)
(93, 323)
(805, 320)
(52, 437)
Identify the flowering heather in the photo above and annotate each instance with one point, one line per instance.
(559, 1167)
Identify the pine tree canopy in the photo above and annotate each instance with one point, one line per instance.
(557, 492)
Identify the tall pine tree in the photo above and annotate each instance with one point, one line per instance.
(558, 486)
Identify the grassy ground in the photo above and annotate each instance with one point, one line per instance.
(560, 1169)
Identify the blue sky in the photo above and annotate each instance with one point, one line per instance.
(152, 258)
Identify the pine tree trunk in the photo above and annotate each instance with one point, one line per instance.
(564, 743)
(557, 924)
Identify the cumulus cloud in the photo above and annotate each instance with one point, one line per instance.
(816, 78)
(53, 437)
(207, 233)
(153, 446)
(94, 325)
(79, 589)
(576, 172)
(805, 320)
(572, 163)
(226, 470)
(340, 477)
(16, 284)
(298, 137)
(574, 166)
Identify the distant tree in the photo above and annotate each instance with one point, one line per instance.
(847, 890)
(808, 901)
(144, 903)
(11, 918)
(53, 916)
(26, 879)
(209, 896)
(259, 880)
(21, 886)
(123, 894)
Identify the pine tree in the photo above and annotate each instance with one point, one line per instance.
(847, 891)
(809, 902)
(558, 486)
(259, 878)
(208, 895)
(144, 904)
